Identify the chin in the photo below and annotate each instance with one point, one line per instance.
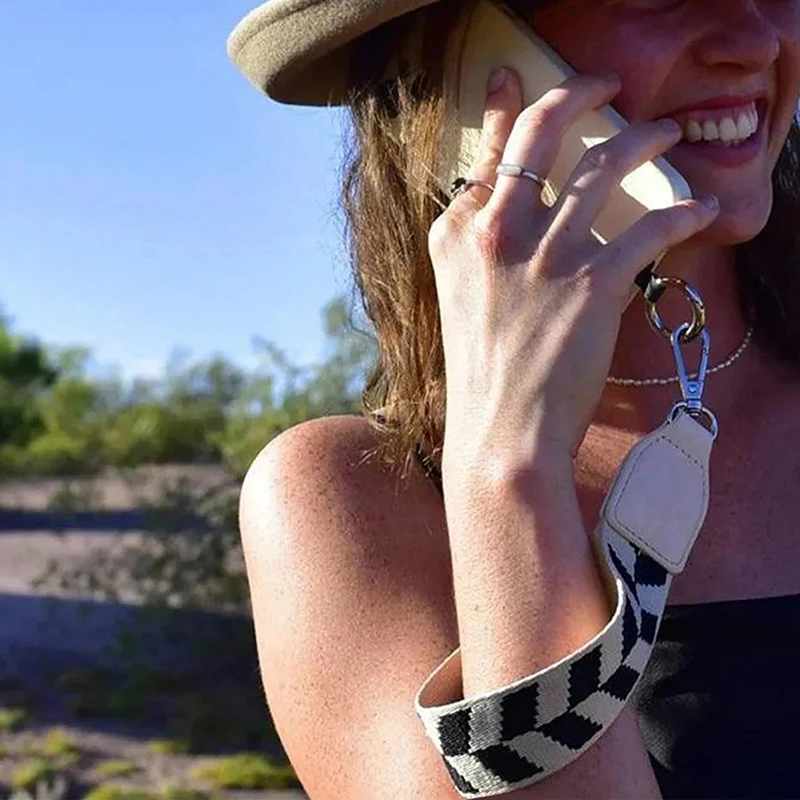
(739, 220)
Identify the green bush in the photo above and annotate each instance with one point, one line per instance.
(60, 453)
(12, 719)
(182, 793)
(115, 768)
(154, 433)
(32, 772)
(59, 748)
(111, 792)
(169, 747)
(57, 743)
(245, 771)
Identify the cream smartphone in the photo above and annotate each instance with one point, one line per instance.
(494, 37)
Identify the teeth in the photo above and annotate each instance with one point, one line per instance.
(744, 126)
(727, 130)
(694, 131)
(710, 130)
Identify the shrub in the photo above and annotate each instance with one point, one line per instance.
(115, 768)
(245, 771)
(12, 718)
(111, 792)
(169, 747)
(58, 743)
(32, 772)
(182, 793)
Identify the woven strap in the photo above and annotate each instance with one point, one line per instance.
(503, 740)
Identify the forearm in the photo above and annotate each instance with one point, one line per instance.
(528, 593)
(526, 585)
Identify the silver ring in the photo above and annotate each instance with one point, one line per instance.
(460, 185)
(681, 405)
(517, 171)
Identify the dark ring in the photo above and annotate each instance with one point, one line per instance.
(460, 185)
(661, 282)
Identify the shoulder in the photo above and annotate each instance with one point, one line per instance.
(327, 465)
(317, 494)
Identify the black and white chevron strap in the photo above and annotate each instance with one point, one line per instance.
(501, 741)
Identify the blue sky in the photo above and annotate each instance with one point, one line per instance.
(150, 198)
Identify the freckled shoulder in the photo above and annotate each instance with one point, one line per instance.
(334, 455)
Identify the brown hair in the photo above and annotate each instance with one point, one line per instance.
(391, 199)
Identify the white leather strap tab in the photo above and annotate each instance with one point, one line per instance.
(501, 741)
(659, 499)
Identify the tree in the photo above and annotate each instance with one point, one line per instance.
(57, 419)
(25, 373)
(280, 394)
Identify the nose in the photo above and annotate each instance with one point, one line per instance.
(742, 36)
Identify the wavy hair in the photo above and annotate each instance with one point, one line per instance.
(390, 199)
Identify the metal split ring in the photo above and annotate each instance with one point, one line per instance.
(658, 283)
(696, 414)
(460, 185)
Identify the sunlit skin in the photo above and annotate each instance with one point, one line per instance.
(669, 55)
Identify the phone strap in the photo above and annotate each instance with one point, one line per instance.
(501, 741)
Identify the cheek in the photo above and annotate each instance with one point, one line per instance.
(642, 58)
(791, 61)
(788, 77)
(785, 17)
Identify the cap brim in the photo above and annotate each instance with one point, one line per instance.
(297, 51)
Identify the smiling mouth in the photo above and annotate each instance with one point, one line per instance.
(722, 127)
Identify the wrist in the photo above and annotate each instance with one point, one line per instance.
(507, 471)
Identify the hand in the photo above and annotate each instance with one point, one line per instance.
(530, 301)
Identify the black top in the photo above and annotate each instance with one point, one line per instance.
(719, 701)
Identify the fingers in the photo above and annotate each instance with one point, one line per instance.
(532, 139)
(503, 104)
(536, 137)
(621, 260)
(604, 166)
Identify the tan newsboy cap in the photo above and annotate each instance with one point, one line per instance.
(297, 51)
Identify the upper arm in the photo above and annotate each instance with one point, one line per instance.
(353, 609)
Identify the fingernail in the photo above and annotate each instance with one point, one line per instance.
(497, 80)
(669, 125)
(711, 202)
(610, 77)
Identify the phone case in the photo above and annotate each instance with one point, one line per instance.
(494, 36)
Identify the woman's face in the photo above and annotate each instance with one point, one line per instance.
(707, 63)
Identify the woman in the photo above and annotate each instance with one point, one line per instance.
(363, 580)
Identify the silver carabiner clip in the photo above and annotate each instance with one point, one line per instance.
(692, 387)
